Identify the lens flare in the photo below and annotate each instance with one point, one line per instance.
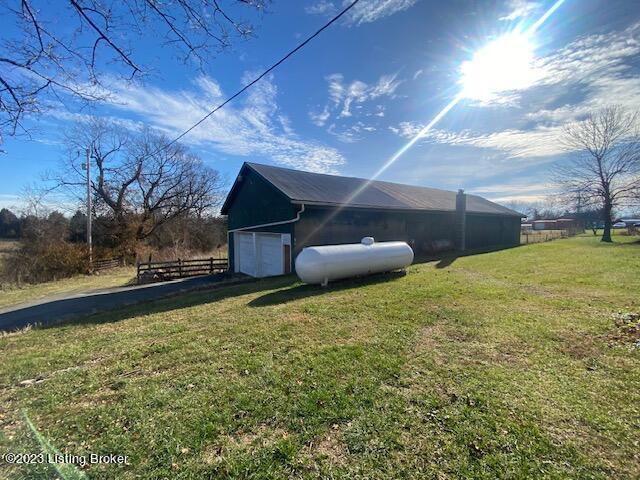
(504, 64)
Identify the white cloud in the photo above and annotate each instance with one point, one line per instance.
(592, 61)
(66, 116)
(603, 92)
(591, 58)
(539, 142)
(598, 65)
(519, 9)
(387, 85)
(356, 92)
(364, 12)
(350, 134)
(320, 118)
(516, 191)
(344, 96)
(336, 89)
(12, 202)
(250, 128)
(372, 10)
(19, 204)
(322, 7)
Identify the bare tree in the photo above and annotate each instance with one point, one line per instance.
(137, 185)
(45, 61)
(604, 170)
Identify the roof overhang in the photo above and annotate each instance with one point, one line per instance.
(400, 209)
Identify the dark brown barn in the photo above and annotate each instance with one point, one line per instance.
(275, 212)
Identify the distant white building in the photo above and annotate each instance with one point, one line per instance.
(629, 222)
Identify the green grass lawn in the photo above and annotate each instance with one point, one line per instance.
(508, 364)
(117, 277)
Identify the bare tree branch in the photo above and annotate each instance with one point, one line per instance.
(138, 189)
(42, 59)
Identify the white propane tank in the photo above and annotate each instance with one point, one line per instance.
(331, 262)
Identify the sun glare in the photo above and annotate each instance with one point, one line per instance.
(502, 65)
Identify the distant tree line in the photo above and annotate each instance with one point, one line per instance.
(54, 224)
(53, 245)
(551, 209)
(10, 224)
(186, 233)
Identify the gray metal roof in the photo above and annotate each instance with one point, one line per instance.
(330, 190)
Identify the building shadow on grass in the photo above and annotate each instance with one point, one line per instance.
(446, 259)
(635, 243)
(117, 306)
(304, 291)
(207, 294)
(298, 292)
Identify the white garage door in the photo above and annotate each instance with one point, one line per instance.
(269, 248)
(245, 256)
(260, 254)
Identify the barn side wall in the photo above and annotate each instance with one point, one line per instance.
(419, 229)
(317, 226)
(485, 231)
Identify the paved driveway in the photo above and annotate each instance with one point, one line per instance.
(59, 308)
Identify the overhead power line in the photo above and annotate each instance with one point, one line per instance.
(261, 76)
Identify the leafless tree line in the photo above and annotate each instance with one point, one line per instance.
(53, 51)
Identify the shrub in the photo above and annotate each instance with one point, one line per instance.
(43, 262)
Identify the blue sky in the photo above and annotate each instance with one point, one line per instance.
(366, 86)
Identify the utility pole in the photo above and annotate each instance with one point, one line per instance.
(89, 239)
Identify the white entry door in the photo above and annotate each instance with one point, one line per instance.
(260, 254)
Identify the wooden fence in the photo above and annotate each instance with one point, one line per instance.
(537, 236)
(106, 263)
(158, 271)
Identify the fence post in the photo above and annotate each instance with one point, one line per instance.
(180, 268)
(210, 264)
(137, 271)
